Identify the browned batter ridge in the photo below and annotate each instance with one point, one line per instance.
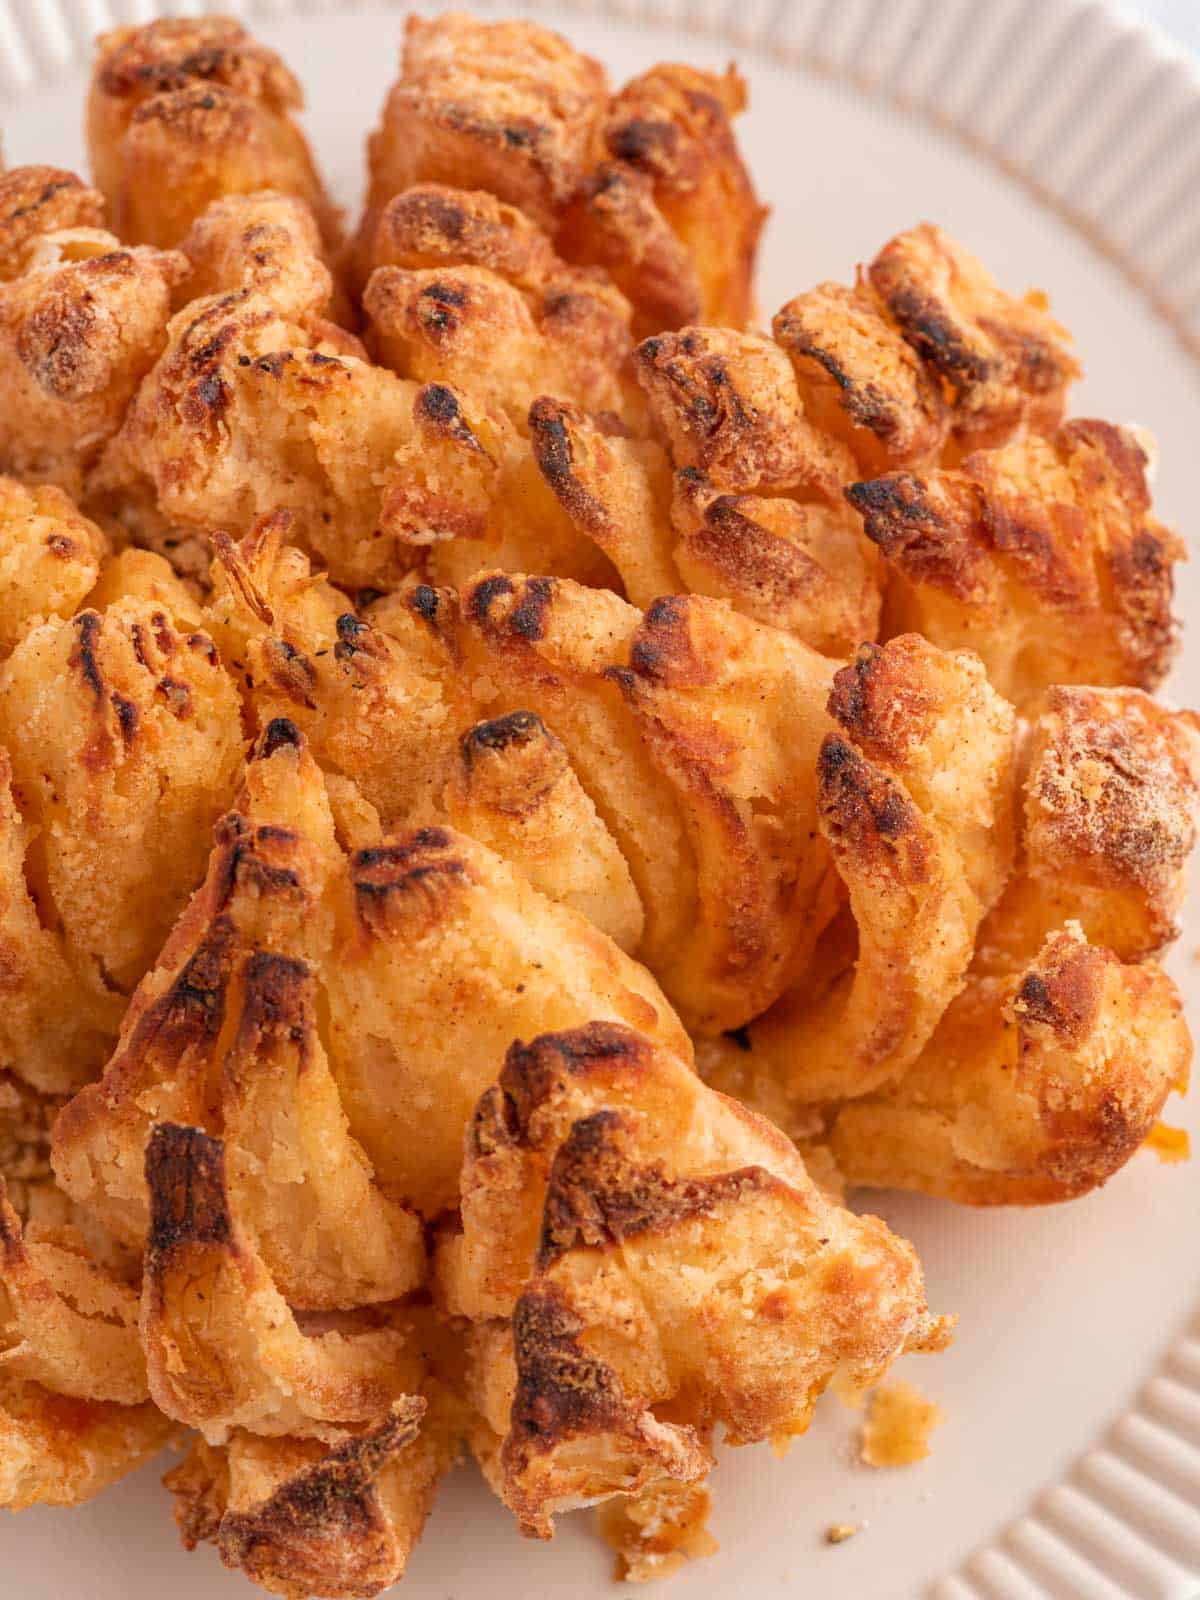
(517, 786)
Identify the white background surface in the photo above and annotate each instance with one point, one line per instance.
(1065, 1312)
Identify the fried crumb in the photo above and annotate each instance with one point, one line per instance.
(655, 1532)
(1170, 1145)
(839, 1532)
(899, 1422)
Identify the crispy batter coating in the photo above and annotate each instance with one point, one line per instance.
(250, 411)
(695, 734)
(185, 110)
(65, 1323)
(1109, 813)
(50, 557)
(1049, 1070)
(683, 1257)
(223, 1036)
(1034, 1089)
(1002, 361)
(264, 241)
(513, 788)
(74, 1414)
(223, 1348)
(924, 352)
(82, 319)
(1043, 555)
(670, 211)
(508, 107)
(423, 954)
(300, 1517)
(646, 184)
(467, 327)
(655, 1532)
(728, 404)
(915, 794)
(36, 201)
(799, 565)
(124, 735)
(60, 1451)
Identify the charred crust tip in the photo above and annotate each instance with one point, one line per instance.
(185, 1173)
(517, 728)
(280, 733)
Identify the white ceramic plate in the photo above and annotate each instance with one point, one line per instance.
(1063, 145)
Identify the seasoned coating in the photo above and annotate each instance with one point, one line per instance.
(467, 327)
(265, 241)
(925, 352)
(82, 319)
(124, 734)
(1034, 1089)
(670, 211)
(382, 707)
(861, 381)
(59, 1451)
(36, 201)
(185, 110)
(74, 1414)
(222, 1036)
(1049, 1070)
(1109, 813)
(223, 1348)
(513, 788)
(465, 493)
(65, 1323)
(507, 107)
(646, 184)
(799, 565)
(727, 403)
(299, 1517)
(1044, 556)
(1002, 361)
(424, 955)
(916, 795)
(753, 513)
(250, 411)
(683, 1259)
(455, 954)
(50, 557)
(695, 734)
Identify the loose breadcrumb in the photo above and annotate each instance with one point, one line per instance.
(899, 1422)
(1170, 1145)
(839, 1532)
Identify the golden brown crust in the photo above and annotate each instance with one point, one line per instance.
(465, 325)
(656, 1195)
(729, 406)
(35, 201)
(1044, 555)
(301, 1518)
(125, 737)
(251, 411)
(860, 378)
(1109, 821)
(915, 802)
(1036, 1089)
(222, 1035)
(671, 212)
(223, 1348)
(507, 107)
(185, 110)
(79, 327)
(715, 821)
(1001, 361)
